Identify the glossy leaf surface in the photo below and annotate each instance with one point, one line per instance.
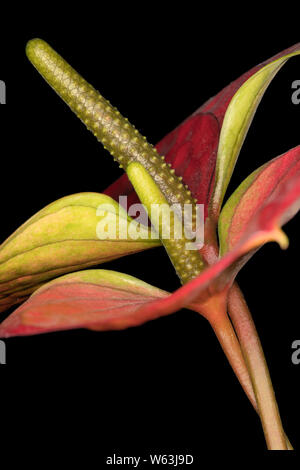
(192, 147)
(269, 185)
(237, 120)
(106, 300)
(61, 238)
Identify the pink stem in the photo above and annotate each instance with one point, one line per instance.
(258, 370)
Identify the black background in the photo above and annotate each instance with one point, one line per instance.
(165, 385)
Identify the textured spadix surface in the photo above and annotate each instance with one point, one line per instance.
(114, 131)
(122, 140)
(100, 299)
(243, 228)
(192, 147)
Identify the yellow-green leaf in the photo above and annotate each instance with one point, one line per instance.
(236, 123)
(65, 237)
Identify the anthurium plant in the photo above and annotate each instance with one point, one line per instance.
(45, 264)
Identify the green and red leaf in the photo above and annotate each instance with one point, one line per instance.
(237, 120)
(95, 299)
(192, 147)
(103, 300)
(260, 199)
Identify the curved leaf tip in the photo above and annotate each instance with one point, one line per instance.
(237, 120)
